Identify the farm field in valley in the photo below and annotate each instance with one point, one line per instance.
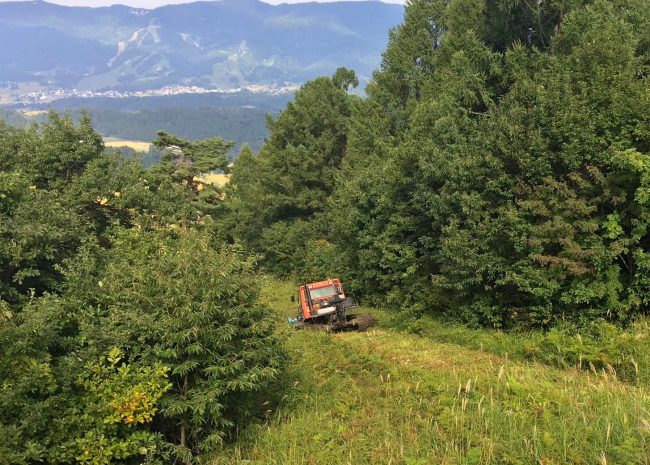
(138, 146)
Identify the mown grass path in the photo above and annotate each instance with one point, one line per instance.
(384, 397)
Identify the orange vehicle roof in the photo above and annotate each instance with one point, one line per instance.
(323, 283)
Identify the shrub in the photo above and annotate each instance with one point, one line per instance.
(168, 297)
(59, 405)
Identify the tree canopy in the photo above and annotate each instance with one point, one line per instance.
(495, 172)
(128, 334)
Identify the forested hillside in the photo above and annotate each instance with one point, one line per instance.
(224, 44)
(241, 125)
(128, 334)
(495, 174)
(240, 117)
(489, 195)
(12, 117)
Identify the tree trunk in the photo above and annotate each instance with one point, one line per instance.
(183, 435)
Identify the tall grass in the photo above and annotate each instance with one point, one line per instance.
(599, 346)
(387, 397)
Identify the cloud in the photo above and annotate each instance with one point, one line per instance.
(157, 3)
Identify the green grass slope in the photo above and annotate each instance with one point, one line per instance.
(388, 397)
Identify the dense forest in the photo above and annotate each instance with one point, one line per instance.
(241, 125)
(244, 98)
(128, 333)
(13, 118)
(496, 173)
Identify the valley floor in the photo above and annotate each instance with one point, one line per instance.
(385, 397)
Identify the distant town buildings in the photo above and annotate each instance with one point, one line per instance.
(50, 95)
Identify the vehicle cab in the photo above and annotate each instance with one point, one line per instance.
(320, 298)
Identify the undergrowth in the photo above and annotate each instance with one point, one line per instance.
(599, 346)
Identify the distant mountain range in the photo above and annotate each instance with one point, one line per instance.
(223, 44)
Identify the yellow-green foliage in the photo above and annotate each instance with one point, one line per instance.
(119, 397)
(125, 394)
(386, 397)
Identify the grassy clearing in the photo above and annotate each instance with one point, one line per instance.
(387, 397)
(212, 178)
(138, 146)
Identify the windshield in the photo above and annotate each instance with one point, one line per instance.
(322, 292)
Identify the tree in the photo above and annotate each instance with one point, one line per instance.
(345, 78)
(61, 151)
(499, 189)
(168, 297)
(39, 228)
(185, 160)
(289, 183)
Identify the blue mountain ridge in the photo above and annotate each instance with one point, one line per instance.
(212, 44)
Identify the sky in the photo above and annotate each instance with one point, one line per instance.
(155, 3)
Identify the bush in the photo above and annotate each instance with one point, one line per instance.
(60, 405)
(168, 297)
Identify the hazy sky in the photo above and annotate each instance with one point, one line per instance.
(155, 3)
